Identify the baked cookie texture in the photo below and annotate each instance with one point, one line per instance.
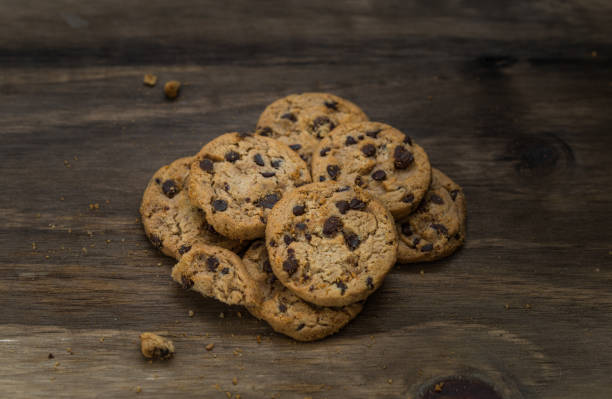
(301, 120)
(331, 245)
(378, 158)
(154, 346)
(437, 228)
(237, 178)
(215, 272)
(171, 222)
(286, 312)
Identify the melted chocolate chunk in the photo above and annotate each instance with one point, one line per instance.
(299, 210)
(350, 140)
(322, 121)
(300, 326)
(342, 286)
(406, 229)
(225, 270)
(268, 174)
(416, 241)
(453, 194)
(321, 178)
(156, 241)
(207, 165)
(275, 163)
(333, 171)
(436, 199)
(170, 188)
(308, 236)
(379, 175)
(282, 307)
(258, 160)
(295, 147)
(226, 187)
(268, 201)
(289, 116)
(264, 131)
(331, 104)
(157, 180)
(219, 205)
(232, 156)
(373, 133)
(290, 265)
(370, 283)
(186, 282)
(352, 241)
(288, 239)
(324, 151)
(357, 204)
(407, 140)
(332, 226)
(427, 247)
(358, 181)
(272, 243)
(403, 157)
(212, 263)
(342, 206)
(360, 137)
(408, 198)
(369, 150)
(300, 226)
(440, 228)
(184, 249)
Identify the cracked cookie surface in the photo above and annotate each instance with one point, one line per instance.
(215, 272)
(437, 228)
(378, 158)
(301, 120)
(171, 222)
(332, 245)
(237, 178)
(286, 312)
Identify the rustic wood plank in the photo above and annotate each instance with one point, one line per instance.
(509, 100)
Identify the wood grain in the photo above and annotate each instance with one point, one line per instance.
(512, 101)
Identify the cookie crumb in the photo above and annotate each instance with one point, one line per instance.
(390, 381)
(259, 339)
(422, 272)
(69, 350)
(171, 89)
(228, 394)
(138, 389)
(62, 198)
(210, 347)
(101, 339)
(153, 346)
(507, 306)
(527, 306)
(191, 313)
(239, 314)
(593, 53)
(235, 381)
(149, 79)
(438, 387)
(221, 315)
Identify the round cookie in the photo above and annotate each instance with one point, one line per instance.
(286, 312)
(301, 120)
(332, 245)
(170, 221)
(215, 272)
(237, 178)
(437, 228)
(378, 158)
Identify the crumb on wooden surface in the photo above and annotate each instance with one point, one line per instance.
(172, 88)
(438, 387)
(210, 347)
(153, 346)
(235, 380)
(138, 389)
(191, 313)
(149, 79)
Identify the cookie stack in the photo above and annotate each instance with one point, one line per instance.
(320, 202)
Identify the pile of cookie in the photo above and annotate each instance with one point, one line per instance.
(319, 201)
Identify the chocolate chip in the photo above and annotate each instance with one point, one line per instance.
(342, 189)
(416, 241)
(184, 249)
(332, 226)
(436, 199)
(295, 147)
(272, 243)
(157, 180)
(357, 204)
(342, 206)
(290, 265)
(408, 198)
(350, 140)
(219, 205)
(263, 219)
(379, 175)
(288, 239)
(258, 160)
(276, 163)
(403, 157)
(427, 247)
(232, 156)
(360, 137)
(308, 236)
(268, 201)
(267, 267)
(225, 270)
(156, 241)
(373, 133)
(207, 165)
(352, 241)
(300, 326)
(300, 226)
(407, 140)
(358, 181)
(406, 229)
(333, 171)
(186, 282)
(370, 283)
(324, 151)
(321, 121)
(268, 174)
(368, 150)
(282, 307)
(304, 157)
(299, 210)
(170, 188)
(264, 131)
(342, 286)
(453, 194)
(440, 228)
(226, 187)
(212, 262)
(289, 116)
(332, 105)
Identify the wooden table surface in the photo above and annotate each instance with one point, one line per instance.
(513, 100)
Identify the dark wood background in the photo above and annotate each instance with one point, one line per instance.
(511, 99)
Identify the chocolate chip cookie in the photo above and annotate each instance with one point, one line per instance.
(437, 228)
(332, 245)
(378, 158)
(301, 120)
(215, 272)
(286, 312)
(170, 221)
(237, 178)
